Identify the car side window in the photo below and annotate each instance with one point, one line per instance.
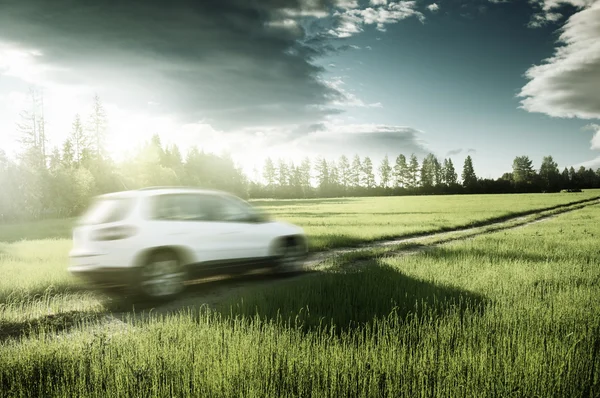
(230, 211)
(182, 207)
(199, 207)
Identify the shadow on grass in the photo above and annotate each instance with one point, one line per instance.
(54, 323)
(347, 301)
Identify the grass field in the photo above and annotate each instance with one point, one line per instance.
(512, 313)
(348, 221)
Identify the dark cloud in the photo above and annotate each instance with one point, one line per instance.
(454, 152)
(367, 140)
(471, 150)
(230, 63)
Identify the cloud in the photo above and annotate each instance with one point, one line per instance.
(348, 98)
(549, 10)
(378, 2)
(351, 22)
(589, 164)
(454, 152)
(226, 62)
(471, 150)
(567, 84)
(433, 7)
(595, 142)
(366, 139)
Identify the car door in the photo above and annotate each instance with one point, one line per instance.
(185, 221)
(244, 235)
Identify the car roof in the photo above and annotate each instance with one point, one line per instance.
(152, 191)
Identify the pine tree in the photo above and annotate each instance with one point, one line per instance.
(401, 174)
(98, 125)
(427, 172)
(385, 172)
(368, 178)
(269, 173)
(305, 174)
(68, 155)
(282, 173)
(468, 175)
(356, 172)
(78, 139)
(413, 171)
(344, 172)
(438, 173)
(450, 176)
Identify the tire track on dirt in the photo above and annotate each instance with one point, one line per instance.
(460, 233)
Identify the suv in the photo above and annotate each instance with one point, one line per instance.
(156, 239)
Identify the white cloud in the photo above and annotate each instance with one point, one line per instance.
(595, 142)
(351, 21)
(378, 2)
(568, 83)
(347, 4)
(433, 7)
(348, 98)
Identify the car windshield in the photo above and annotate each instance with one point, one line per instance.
(107, 210)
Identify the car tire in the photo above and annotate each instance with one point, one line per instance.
(289, 257)
(162, 276)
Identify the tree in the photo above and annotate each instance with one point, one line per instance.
(428, 171)
(385, 172)
(356, 172)
(32, 134)
(78, 139)
(438, 173)
(401, 176)
(98, 126)
(269, 172)
(523, 172)
(282, 173)
(344, 172)
(305, 174)
(55, 160)
(368, 178)
(468, 175)
(68, 155)
(565, 179)
(413, 171)
(450, 176)
(322, 169)
(573, 180)
(549, 174)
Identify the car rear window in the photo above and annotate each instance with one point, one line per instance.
(107, 210)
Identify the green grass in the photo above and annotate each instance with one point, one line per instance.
(341, 222)
(348, 221)
(34, 230)
(511, 313)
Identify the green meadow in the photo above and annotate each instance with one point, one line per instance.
(508, 313)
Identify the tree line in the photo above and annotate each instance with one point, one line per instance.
(408, 176)
(59, 182)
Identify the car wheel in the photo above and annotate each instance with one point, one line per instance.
(162, 276)
(289, 257)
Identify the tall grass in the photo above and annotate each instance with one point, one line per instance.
(514, 313)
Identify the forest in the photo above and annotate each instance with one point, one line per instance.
(57, 182)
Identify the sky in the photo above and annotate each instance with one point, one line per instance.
(493, 79)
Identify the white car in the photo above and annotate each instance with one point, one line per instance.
(155, 239)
